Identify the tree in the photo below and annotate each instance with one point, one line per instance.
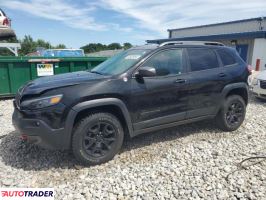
(42, 43)
(60, 46)
(113, 46)
(27, 45)
(127, 45)
(94, 47)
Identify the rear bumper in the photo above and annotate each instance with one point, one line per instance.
(38, 132)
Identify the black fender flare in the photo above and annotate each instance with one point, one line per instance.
(96, 103)
(232, 86)
(228, 88)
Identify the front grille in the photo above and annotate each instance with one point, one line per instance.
(263, 84)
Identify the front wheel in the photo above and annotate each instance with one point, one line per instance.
(232, 113)
(97, 138)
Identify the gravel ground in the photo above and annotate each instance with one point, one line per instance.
(186, 162)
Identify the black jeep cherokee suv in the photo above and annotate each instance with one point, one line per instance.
(140, 90)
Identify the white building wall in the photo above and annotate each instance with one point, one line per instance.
(218, 29)
(259, 52)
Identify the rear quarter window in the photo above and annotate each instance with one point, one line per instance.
(202, 59)
(226, 57)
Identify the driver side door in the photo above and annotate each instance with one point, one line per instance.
(160, 99)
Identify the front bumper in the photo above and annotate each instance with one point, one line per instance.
(38, 132)
(258, 91)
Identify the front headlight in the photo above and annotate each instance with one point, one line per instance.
(41, 102)
(258, 82)
(255, 81)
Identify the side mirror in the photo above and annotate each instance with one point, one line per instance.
(146, 72)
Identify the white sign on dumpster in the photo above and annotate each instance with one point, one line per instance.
(45, 69)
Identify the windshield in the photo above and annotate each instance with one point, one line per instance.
(120, 62)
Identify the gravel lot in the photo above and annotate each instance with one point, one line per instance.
(186, 162)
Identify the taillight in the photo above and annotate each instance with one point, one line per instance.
(5, 22)
(249, 68)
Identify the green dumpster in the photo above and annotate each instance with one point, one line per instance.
(15, 71)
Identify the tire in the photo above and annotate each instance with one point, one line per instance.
(6, 33)
(97, 138)
(232, 113)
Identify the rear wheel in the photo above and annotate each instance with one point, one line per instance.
(97, 138)
(232, 113)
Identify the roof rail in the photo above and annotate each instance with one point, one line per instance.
(191, 43)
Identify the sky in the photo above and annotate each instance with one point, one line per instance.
(76, 23)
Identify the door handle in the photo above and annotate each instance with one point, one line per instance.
(222, 75)
(181, 81)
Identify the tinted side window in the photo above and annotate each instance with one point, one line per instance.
(202, 59)
(226, 58)
(166, 62)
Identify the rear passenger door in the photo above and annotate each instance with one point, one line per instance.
(205, 82)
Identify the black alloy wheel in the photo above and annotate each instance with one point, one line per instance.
(232, 113)
(97, 138)
(235, 113)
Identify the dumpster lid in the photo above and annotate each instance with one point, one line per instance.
(44, 60)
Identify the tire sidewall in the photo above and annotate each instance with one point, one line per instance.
(228, 102)
(81, 131)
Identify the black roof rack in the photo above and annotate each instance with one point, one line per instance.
(191, 43)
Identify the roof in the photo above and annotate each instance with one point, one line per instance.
(222, 23)
(255, 34)
(239, 29)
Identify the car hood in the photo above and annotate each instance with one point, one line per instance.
(262, 75)
(42, 84)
